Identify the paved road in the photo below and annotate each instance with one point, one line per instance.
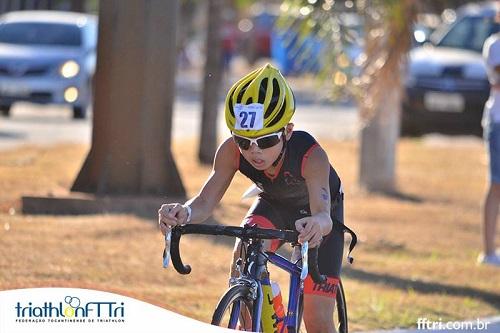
(30, 124)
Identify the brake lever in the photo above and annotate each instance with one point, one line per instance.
(166, 250)
(305, 266)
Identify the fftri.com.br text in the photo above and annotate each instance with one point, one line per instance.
(474, 325)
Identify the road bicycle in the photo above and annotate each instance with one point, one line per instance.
(241, 306)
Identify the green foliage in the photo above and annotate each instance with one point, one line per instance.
(243, 4)
(380, 29)
(92, 6)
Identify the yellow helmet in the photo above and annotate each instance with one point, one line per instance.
(260, 103)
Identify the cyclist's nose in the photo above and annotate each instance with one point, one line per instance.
(254, 148)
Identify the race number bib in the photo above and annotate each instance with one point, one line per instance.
(249, 117)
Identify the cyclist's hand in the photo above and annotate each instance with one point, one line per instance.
(309, 229)
(170, 215)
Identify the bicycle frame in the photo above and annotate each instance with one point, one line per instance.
(255, 267)
(295, 288)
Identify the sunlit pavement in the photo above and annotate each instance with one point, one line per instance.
(46, 125)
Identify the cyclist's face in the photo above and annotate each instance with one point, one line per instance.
(262, 159)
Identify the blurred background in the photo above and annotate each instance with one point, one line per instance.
(110, 108)
(445, 85)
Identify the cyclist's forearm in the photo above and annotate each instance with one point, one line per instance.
(201, 209)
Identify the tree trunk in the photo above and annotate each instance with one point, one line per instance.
(379, 140)
(382, 105)
(211, 84)
(134, 95)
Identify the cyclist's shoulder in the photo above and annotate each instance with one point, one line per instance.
(302, 142)
(228, 144)
(302, 137)
(227, 153)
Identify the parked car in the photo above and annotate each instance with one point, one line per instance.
(47, 57)
(446, 85)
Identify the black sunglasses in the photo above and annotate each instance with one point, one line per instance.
(263, 142)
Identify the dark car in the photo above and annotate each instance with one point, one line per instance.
(446, 86)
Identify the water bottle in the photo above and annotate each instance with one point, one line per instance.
(279, 309)
(267, 314)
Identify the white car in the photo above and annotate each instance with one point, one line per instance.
(47, 57)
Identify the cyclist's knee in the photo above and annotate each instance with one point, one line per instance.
(320, 326)
(265, 223)
(318, 313)
(237, 253)
(267, 245)
(319, 322)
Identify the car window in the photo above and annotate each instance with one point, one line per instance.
(32, 33)
(469, 33)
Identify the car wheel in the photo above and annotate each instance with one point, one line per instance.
(5, 110)
(79, 112)
(409, 130)
(409, 126)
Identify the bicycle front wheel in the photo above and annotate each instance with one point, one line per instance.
(339, 313)
(234, 309)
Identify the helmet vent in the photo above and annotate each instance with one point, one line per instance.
(263, 90)
(242, 91)
(230, 104)
(278, 116)
(274, 99)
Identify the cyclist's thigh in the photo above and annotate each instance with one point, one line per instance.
(265, 215)
(331, 249)
(329, 254)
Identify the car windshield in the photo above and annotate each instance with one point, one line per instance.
(35, 33)
(469, 33)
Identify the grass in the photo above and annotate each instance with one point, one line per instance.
(416, 256)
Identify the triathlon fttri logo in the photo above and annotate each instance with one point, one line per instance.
(71, 309)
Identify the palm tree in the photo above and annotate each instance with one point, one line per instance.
(387, 43)
(373, 77)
